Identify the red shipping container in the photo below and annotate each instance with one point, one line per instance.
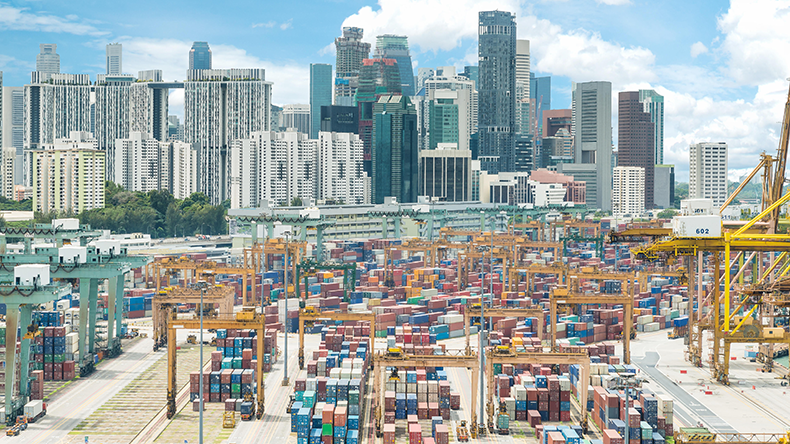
(230, 405)
(415, 434)
(327, 415)
(389, 433)
(533, 416)
(442, 434)
(565, 416)
(555, 438)
(340, 416)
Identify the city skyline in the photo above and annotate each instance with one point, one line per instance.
(713, 86)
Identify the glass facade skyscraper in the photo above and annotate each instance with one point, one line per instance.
(497, 90)
(200, 56)
(320, 94)
(396, 47)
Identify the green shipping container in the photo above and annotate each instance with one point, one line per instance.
(379, 333)
(49, 358)
(497, 369)
(236, 363)
(353, 397)
(236, 388)
(414, 300)
(326, 430)
(59, 358)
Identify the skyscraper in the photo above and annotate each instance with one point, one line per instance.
(53, 110)
(635, 140)
(221, 105)
(592, 140)
(377, 76)
(497, 90)
(48, 61)
(472, 73)
(523, 66)
(13, 127)
(654, 104)
(200, 56)
(114, 59)
(320, 94)
(708, 171)
(540, 91)
(350, 52)
(396, 47)
(339, 172)
(395, 151)
(446, 174)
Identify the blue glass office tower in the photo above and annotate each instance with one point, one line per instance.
(540, 90)
(496, 95)
(320, 94)
(200, 56)
(396, 47)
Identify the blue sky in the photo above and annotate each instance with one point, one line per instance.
(715, 62)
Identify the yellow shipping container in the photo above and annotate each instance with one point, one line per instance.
(374, 302)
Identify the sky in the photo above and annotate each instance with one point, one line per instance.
(717, 64)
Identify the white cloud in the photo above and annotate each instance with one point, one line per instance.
(328, 50)
(286, 25)
(613, 2)
(697, 49)
(269, 24)
(756, 39)
(20, 19)
(291, 80)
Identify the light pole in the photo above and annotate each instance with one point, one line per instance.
(627, 381)
(287, 236)
(202, 285)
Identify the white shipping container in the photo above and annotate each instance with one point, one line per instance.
(433, 397)
(422, 386)
(33, 408)
(422, 397)
(433, 386)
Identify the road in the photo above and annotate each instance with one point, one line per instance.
(755, 402)
(83, 397)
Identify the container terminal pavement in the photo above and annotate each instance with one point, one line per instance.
(389, 352)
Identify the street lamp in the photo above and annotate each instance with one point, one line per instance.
(202, 285)
(627, 381)
(287, 236)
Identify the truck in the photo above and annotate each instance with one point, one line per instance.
(35, 410)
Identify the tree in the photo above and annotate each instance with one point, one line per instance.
(669, 213)
(296, 202)
(681, 192)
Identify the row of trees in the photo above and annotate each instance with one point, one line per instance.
(156, 212)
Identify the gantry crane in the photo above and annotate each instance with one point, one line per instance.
(514, 278)
(400, 360)
(465, 265)
(247, 319)
(645, 277)
(184, 266)
(474, 311)
(308, 315)
(628, 280)
(308, 265)
(255, 257)
(703, 436)
(168, 298)
(561, 296)
(509, 356)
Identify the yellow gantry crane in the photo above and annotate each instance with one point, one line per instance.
(558, 269)
(168, 299)
(255, 256)
(308, 315)
(191, 271)
(562, 297)
(474, 311)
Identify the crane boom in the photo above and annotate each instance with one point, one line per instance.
(781, 164)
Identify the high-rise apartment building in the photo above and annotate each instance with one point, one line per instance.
(141, 163)
(395, 151)
(320, 94)
(114, 59)
(200, 56)
(497, 90)
(708, 171)
(635, 140)
(396, 47)
(222, 105)
(340, 175)
(442, 125)
(592, 140)
(125, 105)
(653, 103)
(68, 175)
(446, 174)
(628, 193)
(54, 109)
(8, 172)
(350, 51)
(269, 165)
(297, 117)
(48, 60)
(183, 170)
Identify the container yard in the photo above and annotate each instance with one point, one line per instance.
(584, 341)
